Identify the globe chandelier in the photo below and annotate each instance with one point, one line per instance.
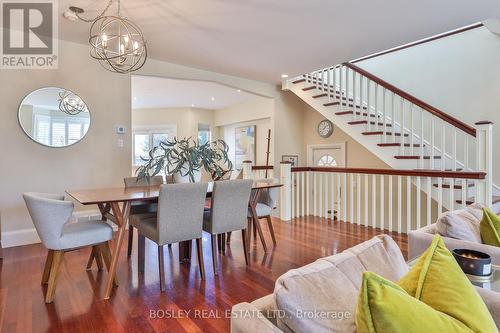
(116, 42)
(71, 104)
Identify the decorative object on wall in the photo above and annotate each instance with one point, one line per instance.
(185, 158)
(117, 43)
(54, 117)
(244, 145)
(325, 128)
(71, 103)
(268, 151)
(294, 159)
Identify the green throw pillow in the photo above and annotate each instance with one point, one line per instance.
(435, 296)
(490, 228)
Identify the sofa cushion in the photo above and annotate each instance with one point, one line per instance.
(490, 228)
(461, 224)
(322, 296)
(438, 281)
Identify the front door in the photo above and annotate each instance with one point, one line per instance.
(331, 156)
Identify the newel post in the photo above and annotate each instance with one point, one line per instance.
(484, 153)
(247, 170)
(286, 191)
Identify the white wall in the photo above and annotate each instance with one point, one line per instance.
(459, 75)
(96, 161)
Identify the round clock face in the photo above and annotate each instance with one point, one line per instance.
(325, 128)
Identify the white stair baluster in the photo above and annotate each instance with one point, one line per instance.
(358, 198)
(382, 200)
(374, 200)
(390, 203)
(367, 202)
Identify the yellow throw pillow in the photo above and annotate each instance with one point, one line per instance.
(435, 281)
(384, 307)
(490, 228)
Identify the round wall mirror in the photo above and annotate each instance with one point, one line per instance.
(54, 117)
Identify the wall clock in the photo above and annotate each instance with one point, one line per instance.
(325, 128)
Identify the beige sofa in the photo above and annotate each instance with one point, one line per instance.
(420, 239)
(322, 296)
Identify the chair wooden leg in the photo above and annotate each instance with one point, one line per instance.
(130, 240)
(219, 242)
(106, 255)
(141, 250)
(214, 253)
(199, 252)
(48, 266)
(244, 237)
(223, 243)
(228, 237)
(249, 232)
(271, 228)
(91, 259)
(54, 272)
(254, 230)
(98, 257)
(161, 268)
(256, 223)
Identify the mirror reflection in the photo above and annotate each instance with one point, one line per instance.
(54, 117)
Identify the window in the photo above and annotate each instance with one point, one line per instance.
(327, 161)
(145, 139)
(203, 133)
(59, 131)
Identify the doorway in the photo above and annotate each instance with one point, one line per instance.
(327, 155)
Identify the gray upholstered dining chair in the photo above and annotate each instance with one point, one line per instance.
(140, 207)
(179, 219)
(50, 215)
(228, 212)
(266, 203)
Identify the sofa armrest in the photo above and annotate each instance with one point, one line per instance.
(419, 241)
(492, 301)
(247, 318)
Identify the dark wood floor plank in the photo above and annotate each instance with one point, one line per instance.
(196, 305)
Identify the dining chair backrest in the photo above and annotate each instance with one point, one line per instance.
(180, 212)
(270, 196)
(139, 182)
(49, 213)
(230, 204)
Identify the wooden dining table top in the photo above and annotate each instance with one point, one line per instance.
(122, 194)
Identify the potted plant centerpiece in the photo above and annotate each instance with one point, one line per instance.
(184, 159)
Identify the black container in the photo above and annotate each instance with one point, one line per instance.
(473, 262)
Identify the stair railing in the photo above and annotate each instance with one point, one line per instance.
(420, 131)
(388, 199)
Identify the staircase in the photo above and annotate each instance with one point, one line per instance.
(404, 131)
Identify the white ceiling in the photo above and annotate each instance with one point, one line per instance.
(157, 92)
(261, 39)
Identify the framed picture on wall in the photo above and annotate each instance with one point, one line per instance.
(294, 159)
(244, 147)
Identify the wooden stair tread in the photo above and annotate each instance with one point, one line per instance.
(350, 105)
(299, 81)
(414, 157)
(308, 88)
(397, 144)
(331, 103)
(470, 201)
(320, 95)
(341, 113)
(381, 132)
(359, 122)
(455, 187)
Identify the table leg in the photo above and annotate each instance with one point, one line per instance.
(185, 251)
(253, 205)
(121, 217)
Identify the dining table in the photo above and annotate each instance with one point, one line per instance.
(114, 205)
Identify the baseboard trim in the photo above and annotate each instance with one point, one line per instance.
(19, 237)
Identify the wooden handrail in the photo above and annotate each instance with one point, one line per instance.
(262, 167)
(422, 41)
(398, 172)
(429, 108)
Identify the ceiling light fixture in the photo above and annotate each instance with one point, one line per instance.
(284, 76)
(213, 99)
(117, 43)
(239, 90)
(70, 103)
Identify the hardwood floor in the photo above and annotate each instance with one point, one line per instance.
(79, 306)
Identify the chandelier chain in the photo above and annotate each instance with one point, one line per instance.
(101, 14)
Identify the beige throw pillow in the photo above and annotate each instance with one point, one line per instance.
(461, 224)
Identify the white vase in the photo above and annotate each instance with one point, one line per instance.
(179, 179)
